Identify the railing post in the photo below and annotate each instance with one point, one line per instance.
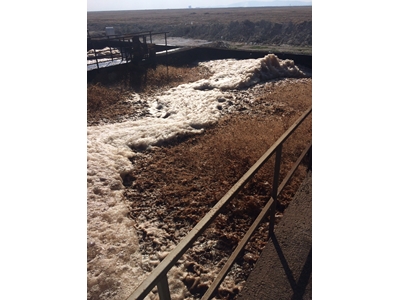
(132, 49)
(163, 289)
(123, 50)
(95, 56)
(109, 46)
(278, 154)
(166, 54)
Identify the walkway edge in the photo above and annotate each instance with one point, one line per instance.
(284, 269)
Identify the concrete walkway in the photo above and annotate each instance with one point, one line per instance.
(283, 271)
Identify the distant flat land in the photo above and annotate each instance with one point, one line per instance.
(203, 15)
(287, 29)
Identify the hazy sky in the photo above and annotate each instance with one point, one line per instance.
(98, 5)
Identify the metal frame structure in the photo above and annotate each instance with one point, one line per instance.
(158, 276)
(125, 43)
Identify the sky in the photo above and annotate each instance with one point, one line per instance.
(105, 5)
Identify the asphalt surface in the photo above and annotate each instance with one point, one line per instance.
(283, 270)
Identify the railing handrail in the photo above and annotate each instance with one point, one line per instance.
(159, 275)
(126, 35)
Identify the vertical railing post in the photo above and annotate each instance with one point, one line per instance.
(109, 46)
(309, 168)
(278, 155)
(132, 49)
(166, 54)
(163, 289)
(95, 56)
(124, 50)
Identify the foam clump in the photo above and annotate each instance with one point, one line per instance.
(102, 52)
(233, 74)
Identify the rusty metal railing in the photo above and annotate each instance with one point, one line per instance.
(158, 276)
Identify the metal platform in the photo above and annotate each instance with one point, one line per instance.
(111, 50)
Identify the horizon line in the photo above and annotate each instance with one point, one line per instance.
(206, 7)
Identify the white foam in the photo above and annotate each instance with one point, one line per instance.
(102, 52)
(102, 55)
(115, 266)
(232, 74)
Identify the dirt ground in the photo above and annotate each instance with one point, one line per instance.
(202, 15)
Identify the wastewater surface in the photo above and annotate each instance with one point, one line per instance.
(116, 263)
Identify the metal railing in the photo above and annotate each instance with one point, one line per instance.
(120, 42)
(158, 276)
